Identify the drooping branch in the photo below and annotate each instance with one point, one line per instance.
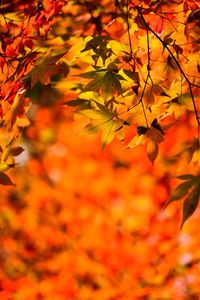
(190, 85)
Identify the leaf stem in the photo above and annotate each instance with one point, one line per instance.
(131, 57)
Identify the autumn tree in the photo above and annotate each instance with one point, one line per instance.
(132, 72)
(99, 133)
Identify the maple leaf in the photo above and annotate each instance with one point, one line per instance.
(133, 75)
(16, 109)
(189, 190)
(191, 202)
(179, 105)
(159, 28)
(151, 137)
(100, 46)
(190, 153)
(155, 134)
(105, 120)
(108, 83)
(181, 190)
(45, 67)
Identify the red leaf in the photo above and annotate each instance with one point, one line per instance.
(147, 2)
(29, 44)
(185, 7)
(10, 51)
(159, 27)
(21, 48)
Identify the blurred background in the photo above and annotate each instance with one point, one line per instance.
(82, 223)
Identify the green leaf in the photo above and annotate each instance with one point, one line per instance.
(186, 177)
(190, 204)
(94, 85)
(5, 180)
(108, 84)
(108, 133)
(111, 84)
(102, 119)
(96, 42)
(92, 74)
(76, 102)
(96, 114)
(183, 100)
(99, 44)
(133, 75)
(112, 67)
(120, 77)
(101, 106)
(54, 58)
(180, 191)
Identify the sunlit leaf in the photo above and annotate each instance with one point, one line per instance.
(137, 140)
(97, 114)
(108, 133)
(92, 74)
(109, 84)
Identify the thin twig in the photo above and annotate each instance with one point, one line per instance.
(128, 28)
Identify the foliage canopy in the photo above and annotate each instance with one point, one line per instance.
(93, 223)
(130, 69)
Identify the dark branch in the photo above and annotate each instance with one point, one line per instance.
(178, 65)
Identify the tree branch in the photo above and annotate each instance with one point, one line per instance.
(179, 67)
